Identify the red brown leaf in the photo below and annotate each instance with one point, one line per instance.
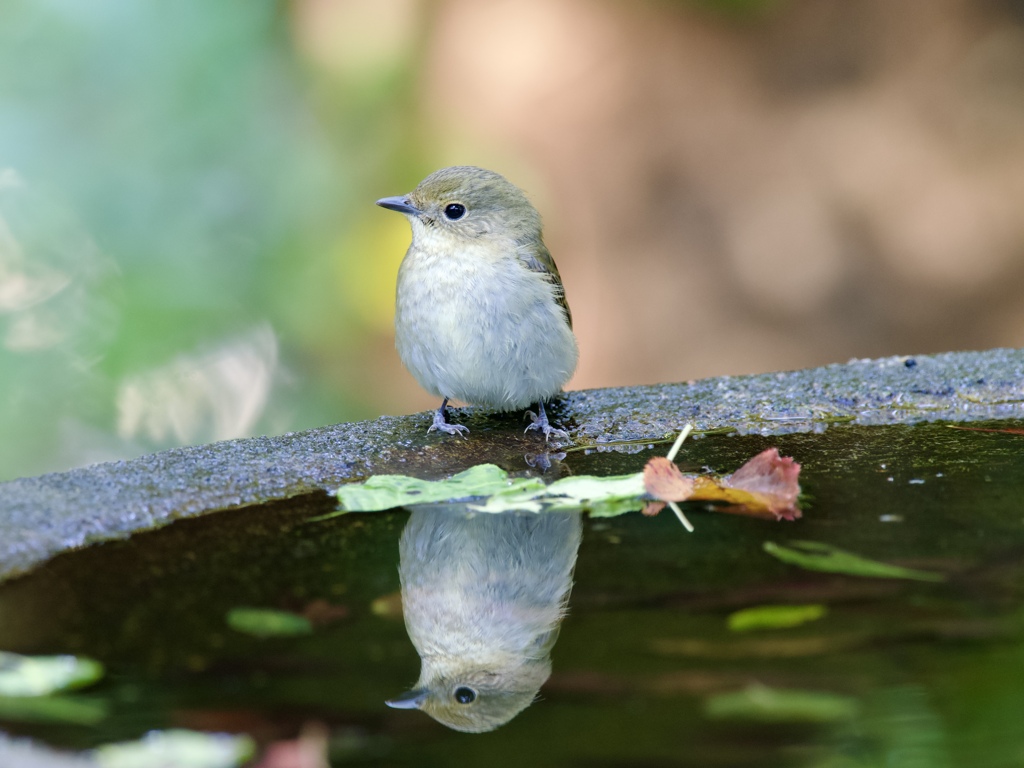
(651, 508)
(664, 481)
(773, 479)
(320, 612)
(767, 486)
(309, 750)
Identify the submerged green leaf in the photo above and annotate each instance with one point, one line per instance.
(601, 496)
(42, 675)
(818, 556)
(772, 705)
(180, 748)
(265, 622)
(388, 491)
(774, 617)
(52, 709)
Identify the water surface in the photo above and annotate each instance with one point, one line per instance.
(644, 668)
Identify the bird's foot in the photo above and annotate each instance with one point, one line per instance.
(441, 423)
(540, 423)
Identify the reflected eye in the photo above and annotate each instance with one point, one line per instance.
(455, 211)
(464, 695)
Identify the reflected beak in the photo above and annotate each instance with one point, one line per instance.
(400, 204)
(408, 700)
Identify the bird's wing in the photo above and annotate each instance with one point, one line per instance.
(537, 258)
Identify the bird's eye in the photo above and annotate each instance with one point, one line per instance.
(465, 695)
(455, 211)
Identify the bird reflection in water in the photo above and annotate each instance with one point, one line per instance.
(483, 596)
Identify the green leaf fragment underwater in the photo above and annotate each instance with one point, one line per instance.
(774, 617)
(772, 705)
(71, 710)
(601, 496)
(42, 675)
(265, 622)
(818, 556)
(180, 748)
(388, 491)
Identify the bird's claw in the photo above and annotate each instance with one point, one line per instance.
(443, 426)
(541, 424)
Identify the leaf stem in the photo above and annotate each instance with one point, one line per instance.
(679, 442)
(682, 518)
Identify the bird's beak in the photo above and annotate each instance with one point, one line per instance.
(400, 204)
(410, 699)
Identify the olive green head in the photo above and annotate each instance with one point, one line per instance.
(470, 202)
(474, 699)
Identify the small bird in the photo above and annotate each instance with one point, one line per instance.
(483, 597)
(480, 310)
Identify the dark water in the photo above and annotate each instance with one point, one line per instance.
(918, 673)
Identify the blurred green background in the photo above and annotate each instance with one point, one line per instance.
(189, 249)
